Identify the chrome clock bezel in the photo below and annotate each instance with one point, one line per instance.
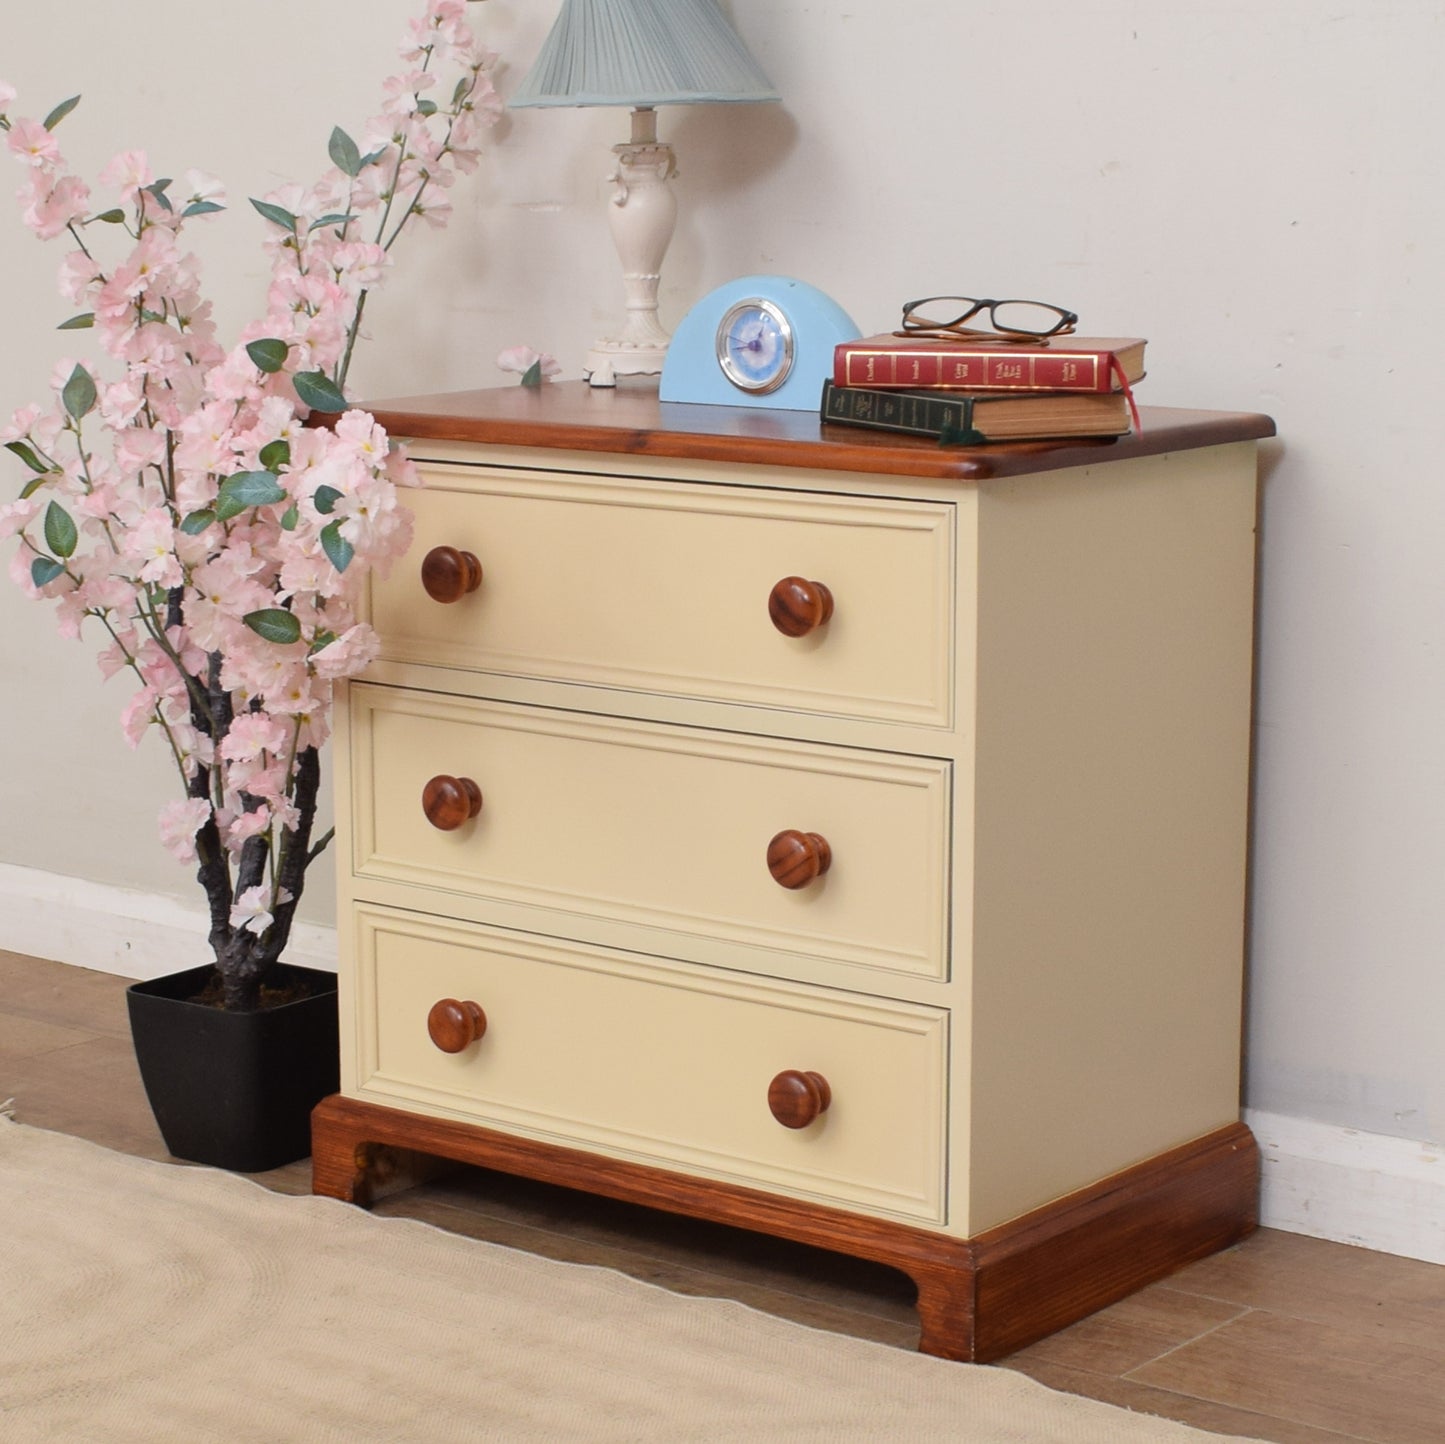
(753, 385)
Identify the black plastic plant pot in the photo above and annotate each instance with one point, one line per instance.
(236, 1090)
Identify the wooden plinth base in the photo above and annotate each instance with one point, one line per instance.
(978, 1298)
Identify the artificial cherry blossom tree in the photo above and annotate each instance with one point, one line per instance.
(175, 498)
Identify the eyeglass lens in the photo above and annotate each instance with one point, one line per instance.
(1027, 318)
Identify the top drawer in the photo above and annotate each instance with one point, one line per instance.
(664, 587)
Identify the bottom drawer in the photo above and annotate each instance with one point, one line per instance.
(662, 1062)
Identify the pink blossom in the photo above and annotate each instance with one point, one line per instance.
(360, 264)
(235, 379)
(55, 207)
(17, 515)
(236, 827)
(521, 359)
(137, 447)
(180, 822)
(20, 424)
(251, 909)
(197, 188)
(148, 544)
(78, 272)
(138, 714)
(128, 172)
(31, 143)
(360, 431)
(252, 734)
(121, 402)
(292, 693)
(355, 649)
(207, 442)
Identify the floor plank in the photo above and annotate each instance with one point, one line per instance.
(1354, 1379)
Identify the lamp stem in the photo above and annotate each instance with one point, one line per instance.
(642, 217)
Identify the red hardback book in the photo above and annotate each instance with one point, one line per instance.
(1063, 363)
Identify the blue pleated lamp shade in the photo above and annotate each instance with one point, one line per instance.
(642, 53)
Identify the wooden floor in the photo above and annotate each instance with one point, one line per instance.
(1283, 1337)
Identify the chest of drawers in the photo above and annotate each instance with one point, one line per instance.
(838, 837)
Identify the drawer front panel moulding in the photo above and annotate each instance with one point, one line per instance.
(657, 1061)
(659, 827)
(666, 588)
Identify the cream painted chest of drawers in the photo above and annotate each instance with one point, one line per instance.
(840, 837)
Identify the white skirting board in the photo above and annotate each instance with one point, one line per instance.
(1318, 1179)
(1361, 1188)
(116, 930)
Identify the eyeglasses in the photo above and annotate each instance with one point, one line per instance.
(1021, 321)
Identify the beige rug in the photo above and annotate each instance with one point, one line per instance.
(150, 1302)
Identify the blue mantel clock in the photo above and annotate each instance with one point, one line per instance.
(756, 341)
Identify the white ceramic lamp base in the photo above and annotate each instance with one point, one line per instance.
(642, 216)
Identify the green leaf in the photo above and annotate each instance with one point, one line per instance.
(333, 220)
(532, 376)
(269, 355)
(275, 624)
(276, 454)
(114, 217)
(326, 498)
(158, 190)
(318, 391)
(290, 517)
(60, 112)
(44, 569)
(247, 489)
(82, 322)
(320, 640)
(464, 89)
(336, 546)
(201, 208)
(60, 533)
(78, 396)
(198, 521)
(277, 215)
(26, 455)
(36, 482)
(343, 152)
(426, 107)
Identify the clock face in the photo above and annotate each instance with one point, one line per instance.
(755, 346)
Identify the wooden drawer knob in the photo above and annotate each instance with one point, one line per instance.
(796, 858)
(448, 574)
(450, 801)
(453, 1025)
(798, 606)
(797, 1099)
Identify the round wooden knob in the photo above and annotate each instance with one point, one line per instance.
(453, 1025)
(448, 574)
(450, 801)
(798, 606)
(797, 1099)
(796, 858)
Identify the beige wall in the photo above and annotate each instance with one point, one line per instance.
(1253, 187)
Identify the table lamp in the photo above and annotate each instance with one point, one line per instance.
(641, 54)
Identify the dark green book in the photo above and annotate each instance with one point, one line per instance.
(968, 419)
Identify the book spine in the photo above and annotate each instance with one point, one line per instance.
(1014, 370)
(934, 416)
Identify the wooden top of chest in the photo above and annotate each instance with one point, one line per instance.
(630, 420)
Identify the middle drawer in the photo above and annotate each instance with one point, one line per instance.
(672, 828)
